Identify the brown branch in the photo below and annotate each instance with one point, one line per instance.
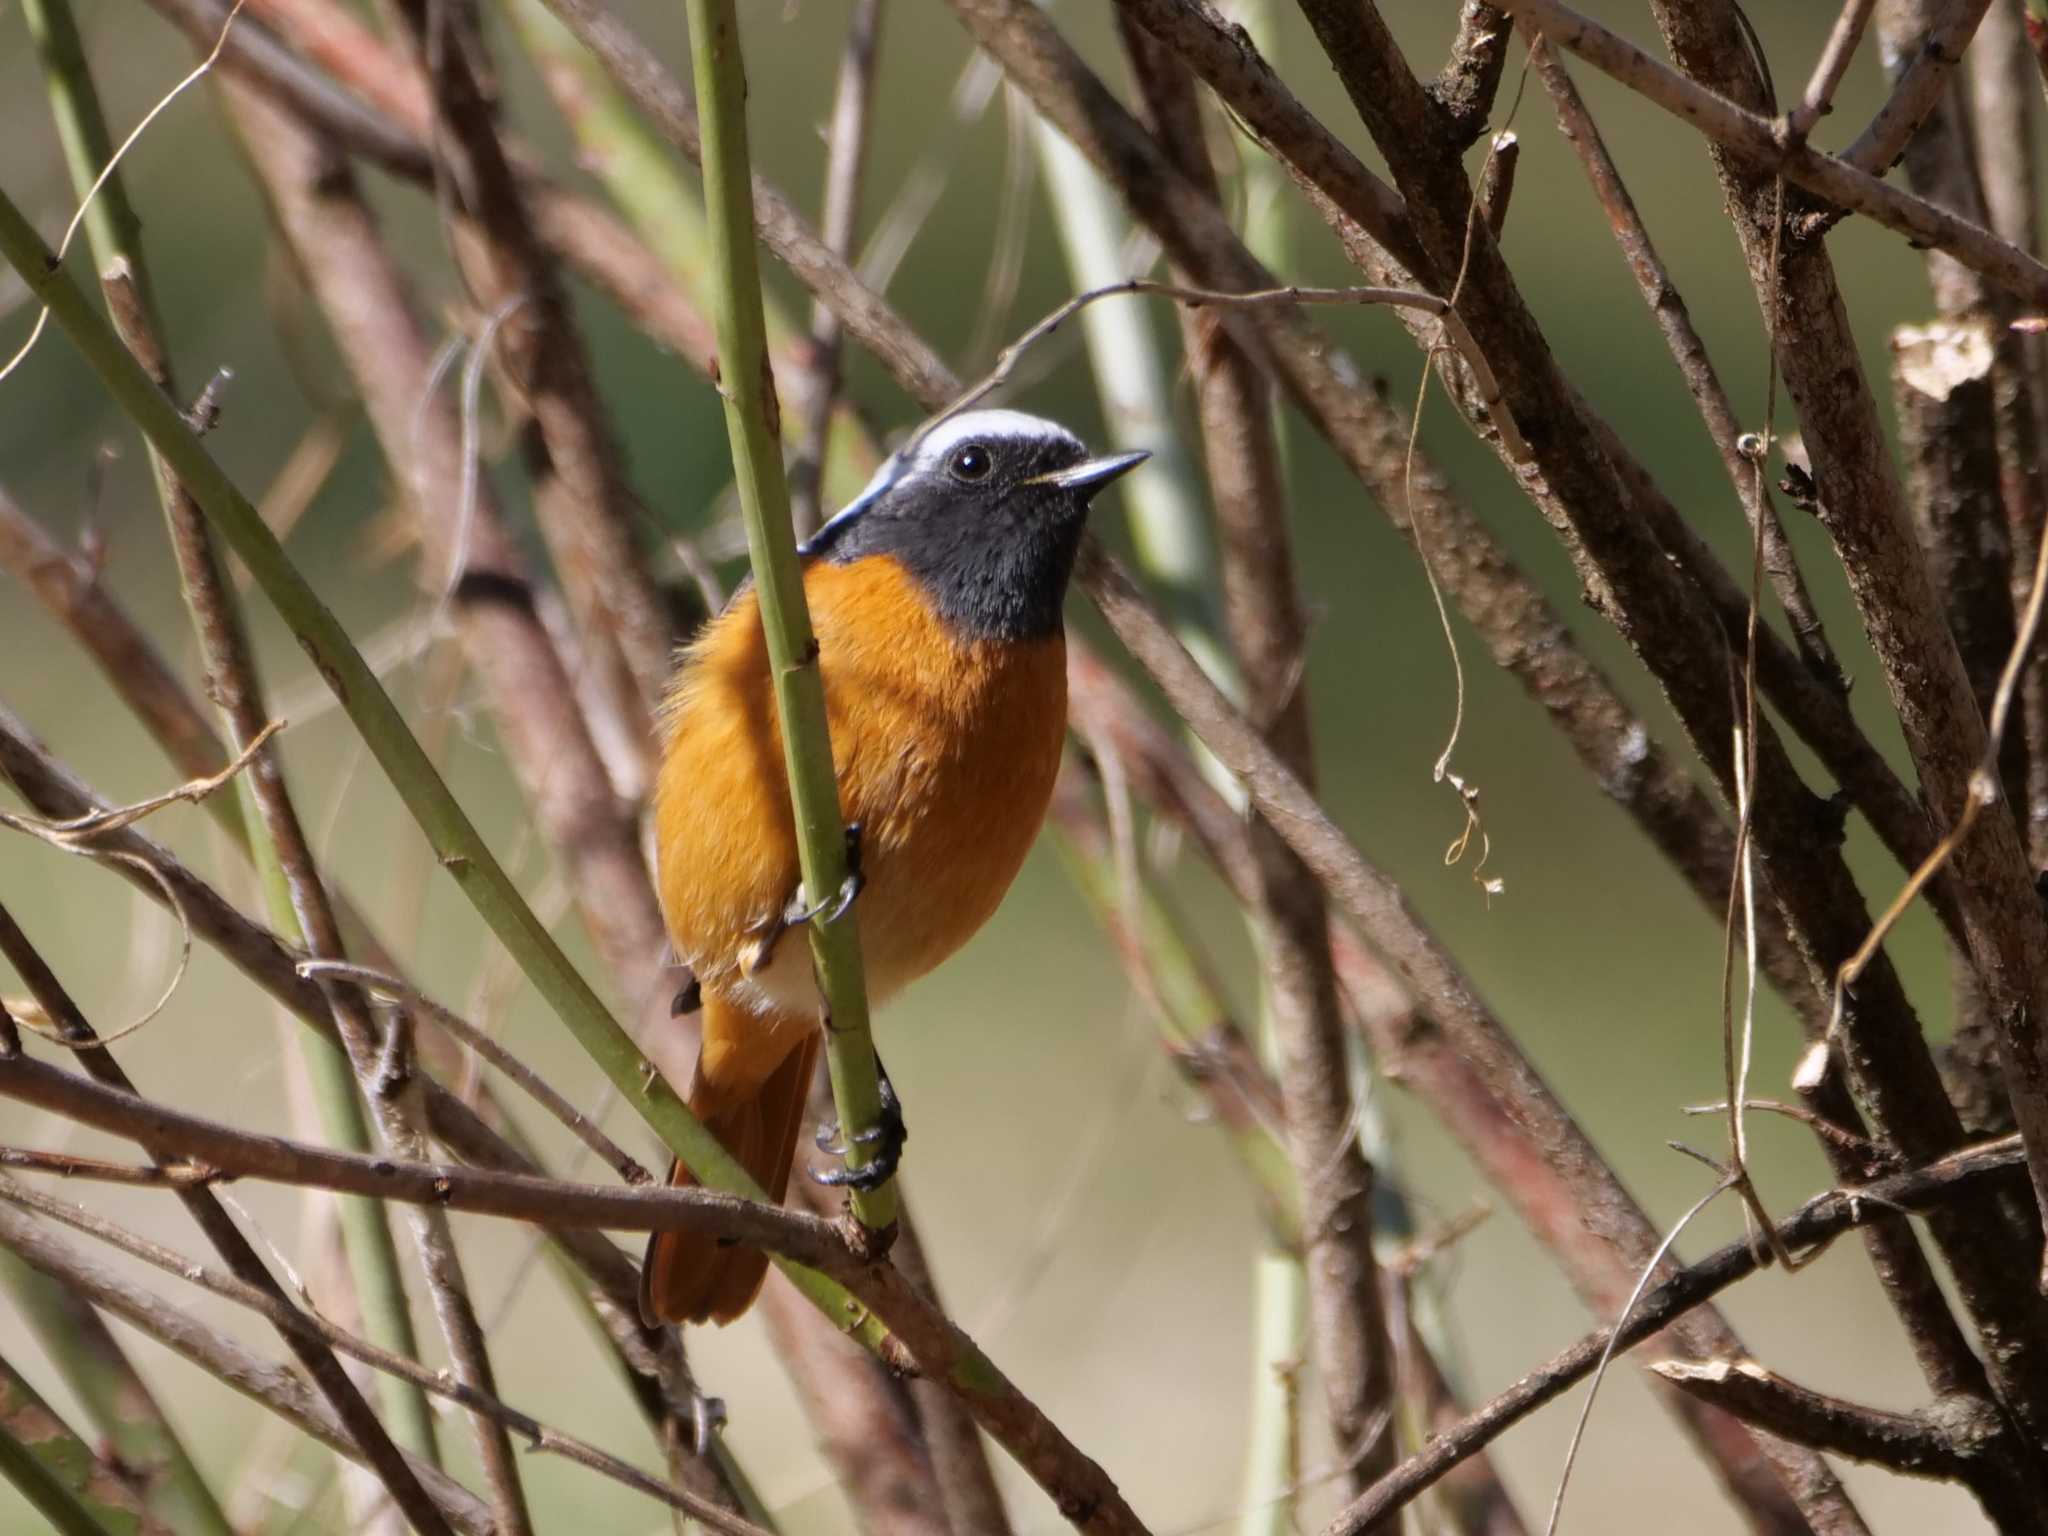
(1863, 507)
(355, 1420)
(1755, 139)
(867, 317)
(1961, 1441)
(650, 1355)
(237, 1154)
(287, 1318)
(1464, 88)
(845, 167)
(1814, 1224)
(1374, 443)
(274, 1387)
(2003, 86)
(1267, 630)
(579, 1125)
(233, 683)
(1668, 307)
(1886, 1051)
(580, 494)
(1487, 1091)
(1936, 48)
(925, 1341)
(471, 561)
(1039, 62)
(1901, 1441)
(1830, 67)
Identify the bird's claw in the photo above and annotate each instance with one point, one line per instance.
(835, 906)
(883, 1142)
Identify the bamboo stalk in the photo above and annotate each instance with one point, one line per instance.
(753, 421)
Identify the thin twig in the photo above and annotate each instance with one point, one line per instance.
(109, 165)
(1614, 1336)
(1654, 281)
(1830, 67)
(275, 1387)
(1955, 1441)
(1755, 139)
(1305, 1027)
(291, 1319)
(1918, 87)
(580, 1125)
(1816, 1223)
(846, 162)
(358, 1424)
(1285, 296)
(919, 1337)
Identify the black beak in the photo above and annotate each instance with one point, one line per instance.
(1091, 475)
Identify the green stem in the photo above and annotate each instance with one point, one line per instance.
(55, 1470)
(455, 840)
(752, 423)
(118, 1402)
(114, 234)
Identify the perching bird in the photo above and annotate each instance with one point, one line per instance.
(936, 598)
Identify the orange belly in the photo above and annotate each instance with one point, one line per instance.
(946, 752)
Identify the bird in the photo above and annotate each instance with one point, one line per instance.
(936, 600)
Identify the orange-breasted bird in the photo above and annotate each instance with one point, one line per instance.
(935, 596)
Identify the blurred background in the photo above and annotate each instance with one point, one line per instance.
(1088, 1227)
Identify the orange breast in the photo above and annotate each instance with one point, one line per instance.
(945, 749)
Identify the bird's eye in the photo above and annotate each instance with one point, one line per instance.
(973, 462)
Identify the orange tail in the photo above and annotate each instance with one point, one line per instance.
(752, 1080)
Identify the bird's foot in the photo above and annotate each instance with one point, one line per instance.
(835, 906)
(769, 931)
(883, 1143)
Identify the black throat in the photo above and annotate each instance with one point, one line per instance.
(994, 566)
